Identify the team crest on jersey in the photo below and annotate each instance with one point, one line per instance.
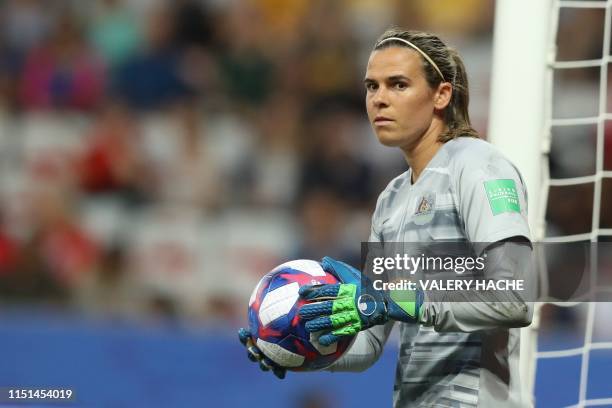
(425, 209)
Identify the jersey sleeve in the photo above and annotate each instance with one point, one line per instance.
(492, 198)
(469, 311)
(492, 202)
(365, 350)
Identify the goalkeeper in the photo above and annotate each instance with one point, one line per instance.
(458, 188)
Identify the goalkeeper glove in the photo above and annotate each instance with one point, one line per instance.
(254, 354)
(345, 309)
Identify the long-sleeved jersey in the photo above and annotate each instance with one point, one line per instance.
(461, 353)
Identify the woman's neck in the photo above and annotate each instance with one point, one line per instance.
(419, 155)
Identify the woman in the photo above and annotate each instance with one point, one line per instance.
(460, 349)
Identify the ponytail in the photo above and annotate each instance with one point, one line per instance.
(456, 115)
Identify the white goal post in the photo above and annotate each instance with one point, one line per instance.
(521, 124)
(520, 82)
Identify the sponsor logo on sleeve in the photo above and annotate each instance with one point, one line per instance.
(502, 196)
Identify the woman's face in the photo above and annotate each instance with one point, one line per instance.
(399, 101)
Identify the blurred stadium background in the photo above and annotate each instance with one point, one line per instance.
(157, 157)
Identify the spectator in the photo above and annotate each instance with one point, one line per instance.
(323, 215)
(25, 23)
(152, 78)
(64, 72)
(114, 31)
(331, 142)
(187, 172)
(66, 249)
(110, 162)
(245, 70)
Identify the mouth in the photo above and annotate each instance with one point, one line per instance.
(382, 121)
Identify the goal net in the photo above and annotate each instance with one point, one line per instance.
(551, 112)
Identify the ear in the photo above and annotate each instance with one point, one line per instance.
(443, 95)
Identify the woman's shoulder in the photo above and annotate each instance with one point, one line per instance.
(468, 146)
(472, 152)
(474, 159)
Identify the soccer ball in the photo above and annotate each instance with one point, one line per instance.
(274, 322)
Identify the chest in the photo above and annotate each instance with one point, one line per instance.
(422, 214)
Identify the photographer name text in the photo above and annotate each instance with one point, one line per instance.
(451, 284)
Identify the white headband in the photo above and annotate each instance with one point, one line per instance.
(433, 64)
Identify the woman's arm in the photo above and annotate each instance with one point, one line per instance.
(365, 350)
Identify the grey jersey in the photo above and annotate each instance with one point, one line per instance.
(462, 354)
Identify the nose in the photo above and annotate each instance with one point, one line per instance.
(380, 98)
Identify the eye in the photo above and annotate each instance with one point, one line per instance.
(371, 86)
(400, 85)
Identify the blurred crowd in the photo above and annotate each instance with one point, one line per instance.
(157, 157)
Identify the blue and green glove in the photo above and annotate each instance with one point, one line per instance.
(254, 354)
(346, 308)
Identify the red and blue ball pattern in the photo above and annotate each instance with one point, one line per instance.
(285, 335)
